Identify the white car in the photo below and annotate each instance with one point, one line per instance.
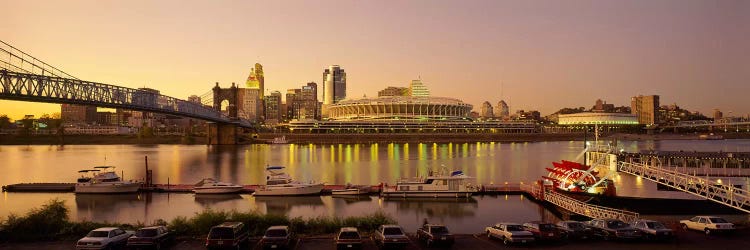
(509, 233)
(707, 224)
(104, 238)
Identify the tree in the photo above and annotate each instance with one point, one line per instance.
(4, 121)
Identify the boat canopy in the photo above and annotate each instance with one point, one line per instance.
(457, 172)
(274, 168)
(88, 170)
(104, 167)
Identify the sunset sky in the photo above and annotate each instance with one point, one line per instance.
(545, 54)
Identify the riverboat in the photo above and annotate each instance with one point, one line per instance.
(456, 184)
(104, 180)
(279, 183)
(211, 186)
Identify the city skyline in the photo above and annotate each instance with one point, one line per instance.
(533, 55)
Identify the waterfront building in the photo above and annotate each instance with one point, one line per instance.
(502, 110)
(587, 118)
(486, 111)
(718, 115)
(256, 79)
(293, 103)
(394, 91)
(272, 108)
(646, 108)
(72, 113)
(309, 99)
(334, 84)
(417, 88)
(400, 108)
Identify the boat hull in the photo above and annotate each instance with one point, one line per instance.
(446, 194)
(290, 190)
(107, 189)
(218, 190)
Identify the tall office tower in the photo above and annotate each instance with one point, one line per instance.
(293, 103)
(486, 111)
(417, 88)
(249, 104)
(646, 108)
(503, 110)
(255, 79)
(309, 100)
(394, 91)
(334, 84)
(272, 107)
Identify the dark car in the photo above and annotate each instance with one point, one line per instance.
(227, 235)
(614, 229)
(348, 238)
(390, 236)
(434, 234)
(575, 230)
(654, 230)
(544, 231)
(277, 237)
(150, 238)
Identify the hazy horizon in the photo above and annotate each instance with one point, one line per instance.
(535, 55)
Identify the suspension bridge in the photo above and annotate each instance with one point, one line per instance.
(25, 78)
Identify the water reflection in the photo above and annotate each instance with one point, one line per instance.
(352, 198)
(434, 207)
(210, 200)
(101, 207)
(283, 205)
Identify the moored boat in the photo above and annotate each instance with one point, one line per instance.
(352, 190)
(279, 183)
(211, 186)
(104, 180)
(437, 186)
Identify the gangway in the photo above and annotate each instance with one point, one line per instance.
(718, 192)
(578, 207)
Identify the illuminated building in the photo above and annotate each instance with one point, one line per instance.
(334, 84)
(256, 79)
(646, 108)
(598, 118)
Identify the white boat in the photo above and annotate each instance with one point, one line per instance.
(351, 190)
(436, 186)
(280, 184)
(211, 186)
(104, 180)
(279, 140)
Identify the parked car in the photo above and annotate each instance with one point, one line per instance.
(227, 235)
(277, 237)
(390, 236)
(104, 238)
(614, 229)
(150, 237)
(708, 224)
(435, 234)
(575, 230)
(509, 233)
(544, 231)
(653, 230)
(348, 238)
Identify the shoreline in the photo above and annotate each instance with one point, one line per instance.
(264, 138)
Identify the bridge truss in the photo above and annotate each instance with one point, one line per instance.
(718, 192)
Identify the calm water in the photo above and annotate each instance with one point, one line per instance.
(333, 164)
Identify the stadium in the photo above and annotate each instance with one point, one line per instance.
(399, 108)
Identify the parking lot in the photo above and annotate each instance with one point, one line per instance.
(685, 240)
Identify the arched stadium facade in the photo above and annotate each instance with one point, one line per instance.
(400, 107)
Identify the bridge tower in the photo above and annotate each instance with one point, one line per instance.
(224, 133)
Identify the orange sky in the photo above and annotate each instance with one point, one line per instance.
(547, 54)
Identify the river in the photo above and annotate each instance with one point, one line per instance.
(490, 163)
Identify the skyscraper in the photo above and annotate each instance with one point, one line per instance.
(417, 88)
(503, 111)
(486, 111)
(273, 107)
(255, 79)
(646, 108)
(334, 84)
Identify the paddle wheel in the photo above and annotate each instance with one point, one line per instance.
(575, 177)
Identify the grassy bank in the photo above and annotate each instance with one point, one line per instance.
(51, 222)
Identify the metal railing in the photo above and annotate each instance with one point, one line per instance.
(588, 210)
(718, 192)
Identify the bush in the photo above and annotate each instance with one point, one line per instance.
(38, 224)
